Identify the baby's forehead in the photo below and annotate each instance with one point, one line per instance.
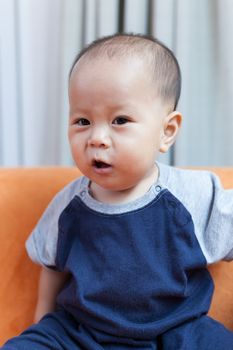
(128, 64)
(124, 80)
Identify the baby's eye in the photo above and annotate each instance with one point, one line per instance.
(120, 120)
(82, 122)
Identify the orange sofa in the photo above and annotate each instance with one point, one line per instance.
(24, 194)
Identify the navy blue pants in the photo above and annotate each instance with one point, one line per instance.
(59, 331)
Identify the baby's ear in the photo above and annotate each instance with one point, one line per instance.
(172, 124)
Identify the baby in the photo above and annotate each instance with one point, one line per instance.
(124, 248)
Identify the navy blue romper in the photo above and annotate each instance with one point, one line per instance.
(138, 281)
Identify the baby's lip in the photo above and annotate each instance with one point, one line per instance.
(101, 167)
(100, 164)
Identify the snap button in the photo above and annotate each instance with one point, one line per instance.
(158, 188)
(82, 193)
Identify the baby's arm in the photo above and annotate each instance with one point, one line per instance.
(50, 284)
(41, 246)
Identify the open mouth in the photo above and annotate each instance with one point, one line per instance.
(100, 165)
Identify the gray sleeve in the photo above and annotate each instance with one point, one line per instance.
(219, 230)
(211, 208)
(42, 243)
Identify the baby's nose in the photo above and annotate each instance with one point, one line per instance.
(99, 138)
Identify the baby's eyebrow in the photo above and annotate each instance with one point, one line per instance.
(78, 110)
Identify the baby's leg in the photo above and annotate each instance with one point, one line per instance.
(201, 334)
(49, 333)
(56, 331)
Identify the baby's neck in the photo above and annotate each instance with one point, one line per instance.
(124, 196)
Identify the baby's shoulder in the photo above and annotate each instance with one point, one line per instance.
(188, 183)
(196, 189)
(67, 193)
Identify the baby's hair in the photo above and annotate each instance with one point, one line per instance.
(164, 67)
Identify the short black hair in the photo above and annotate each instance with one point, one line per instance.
(164, 67)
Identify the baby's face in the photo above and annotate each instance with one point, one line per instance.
(115, 124)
